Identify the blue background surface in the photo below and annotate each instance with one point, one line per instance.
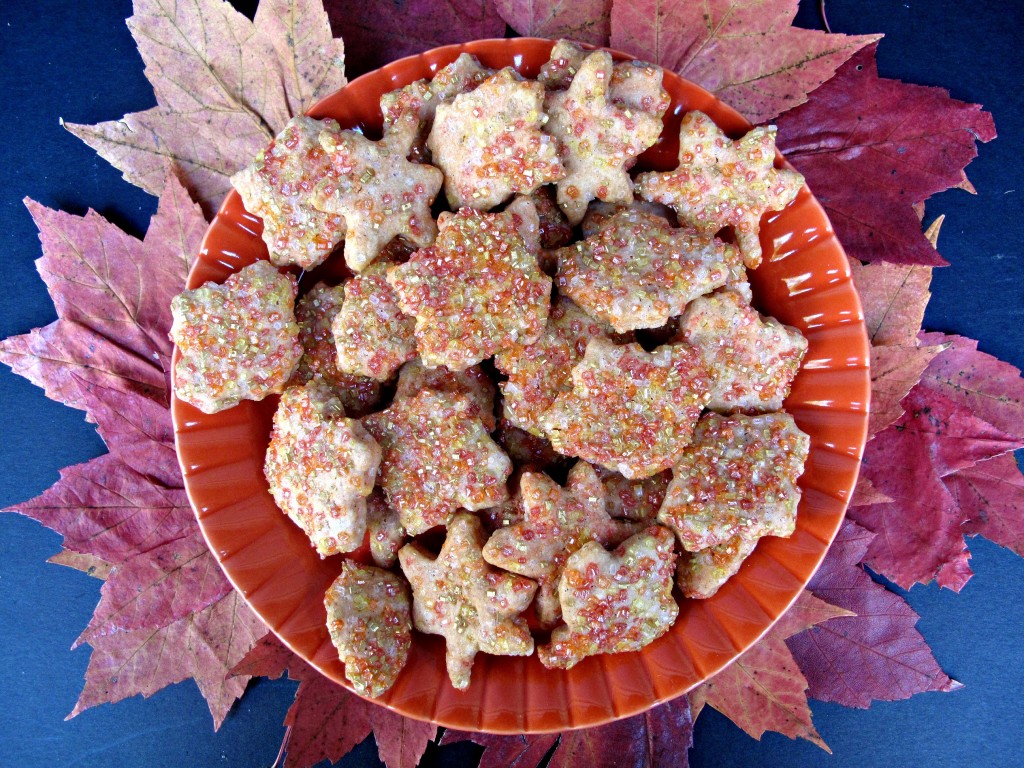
(78, 62)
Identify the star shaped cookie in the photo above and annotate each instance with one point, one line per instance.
(477, 290)
(437, 457)
(556, 522)
(614, 602)
(490, 145)
(473, 605)
(737, 478)
(724, 183)
(380, 194)
(629, 410)
(599, 139)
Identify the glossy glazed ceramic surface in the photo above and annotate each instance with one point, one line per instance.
(272, 564)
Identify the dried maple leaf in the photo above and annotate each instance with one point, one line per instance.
(167, 612)
(991, 496)
(378, 33)
(876, 654)
(326, 721)
(744, 51)
(764, 689)
(588, 21)
(920, 529)
(659, 737)
(224, 87)
(903, 142)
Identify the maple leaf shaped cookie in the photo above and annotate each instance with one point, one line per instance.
(237, 340)
(638, 271)
(437, 457)
(315, 313)
(629, 410)
(473, 605)
(409, 111)
(599, 139)
(722, 183)
(637, 500)
(368, 621)
(372, 336)
(556, 522)
(737, 478)
(278, 187)
(473, 382)
(379, 192)
(614, 602)
(538, 372)
(753, 360)
(489, 143)
(321, 467)
(477, 290)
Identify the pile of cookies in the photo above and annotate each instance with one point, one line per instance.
(546, 410)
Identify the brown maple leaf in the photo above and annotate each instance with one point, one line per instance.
(225, 86)
(588, 21)
(875, 653)
(764, 689)
(746, 52)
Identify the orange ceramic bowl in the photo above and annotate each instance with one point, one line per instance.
(273, 566)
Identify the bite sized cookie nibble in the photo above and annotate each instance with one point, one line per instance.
(384, 529)
(738, 478)
(437, 457)
(701, 574)
(278, 187)
(380, 194)
(477, 291)
(599, 139)
(368, 618)
(557, 72)
(540, 371)
(637, 271)
(724, 183)
(409, 111)
(473, 605)
(321, 467)
(556, 522)
(372, 336)
(555, 229)
(489, 143)
(637, 500)
(614, 602)
(598, 214)
(629, 410)
(473, 382)
(237, 341)
(315, 312)
(753, 360)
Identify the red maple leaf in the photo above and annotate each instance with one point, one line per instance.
(378, 33)
(875, 654)
(326, 721)
(991, 497)
(902, 142)
(166, 612)
(746, 52)
(764, 689)
(662, 736)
